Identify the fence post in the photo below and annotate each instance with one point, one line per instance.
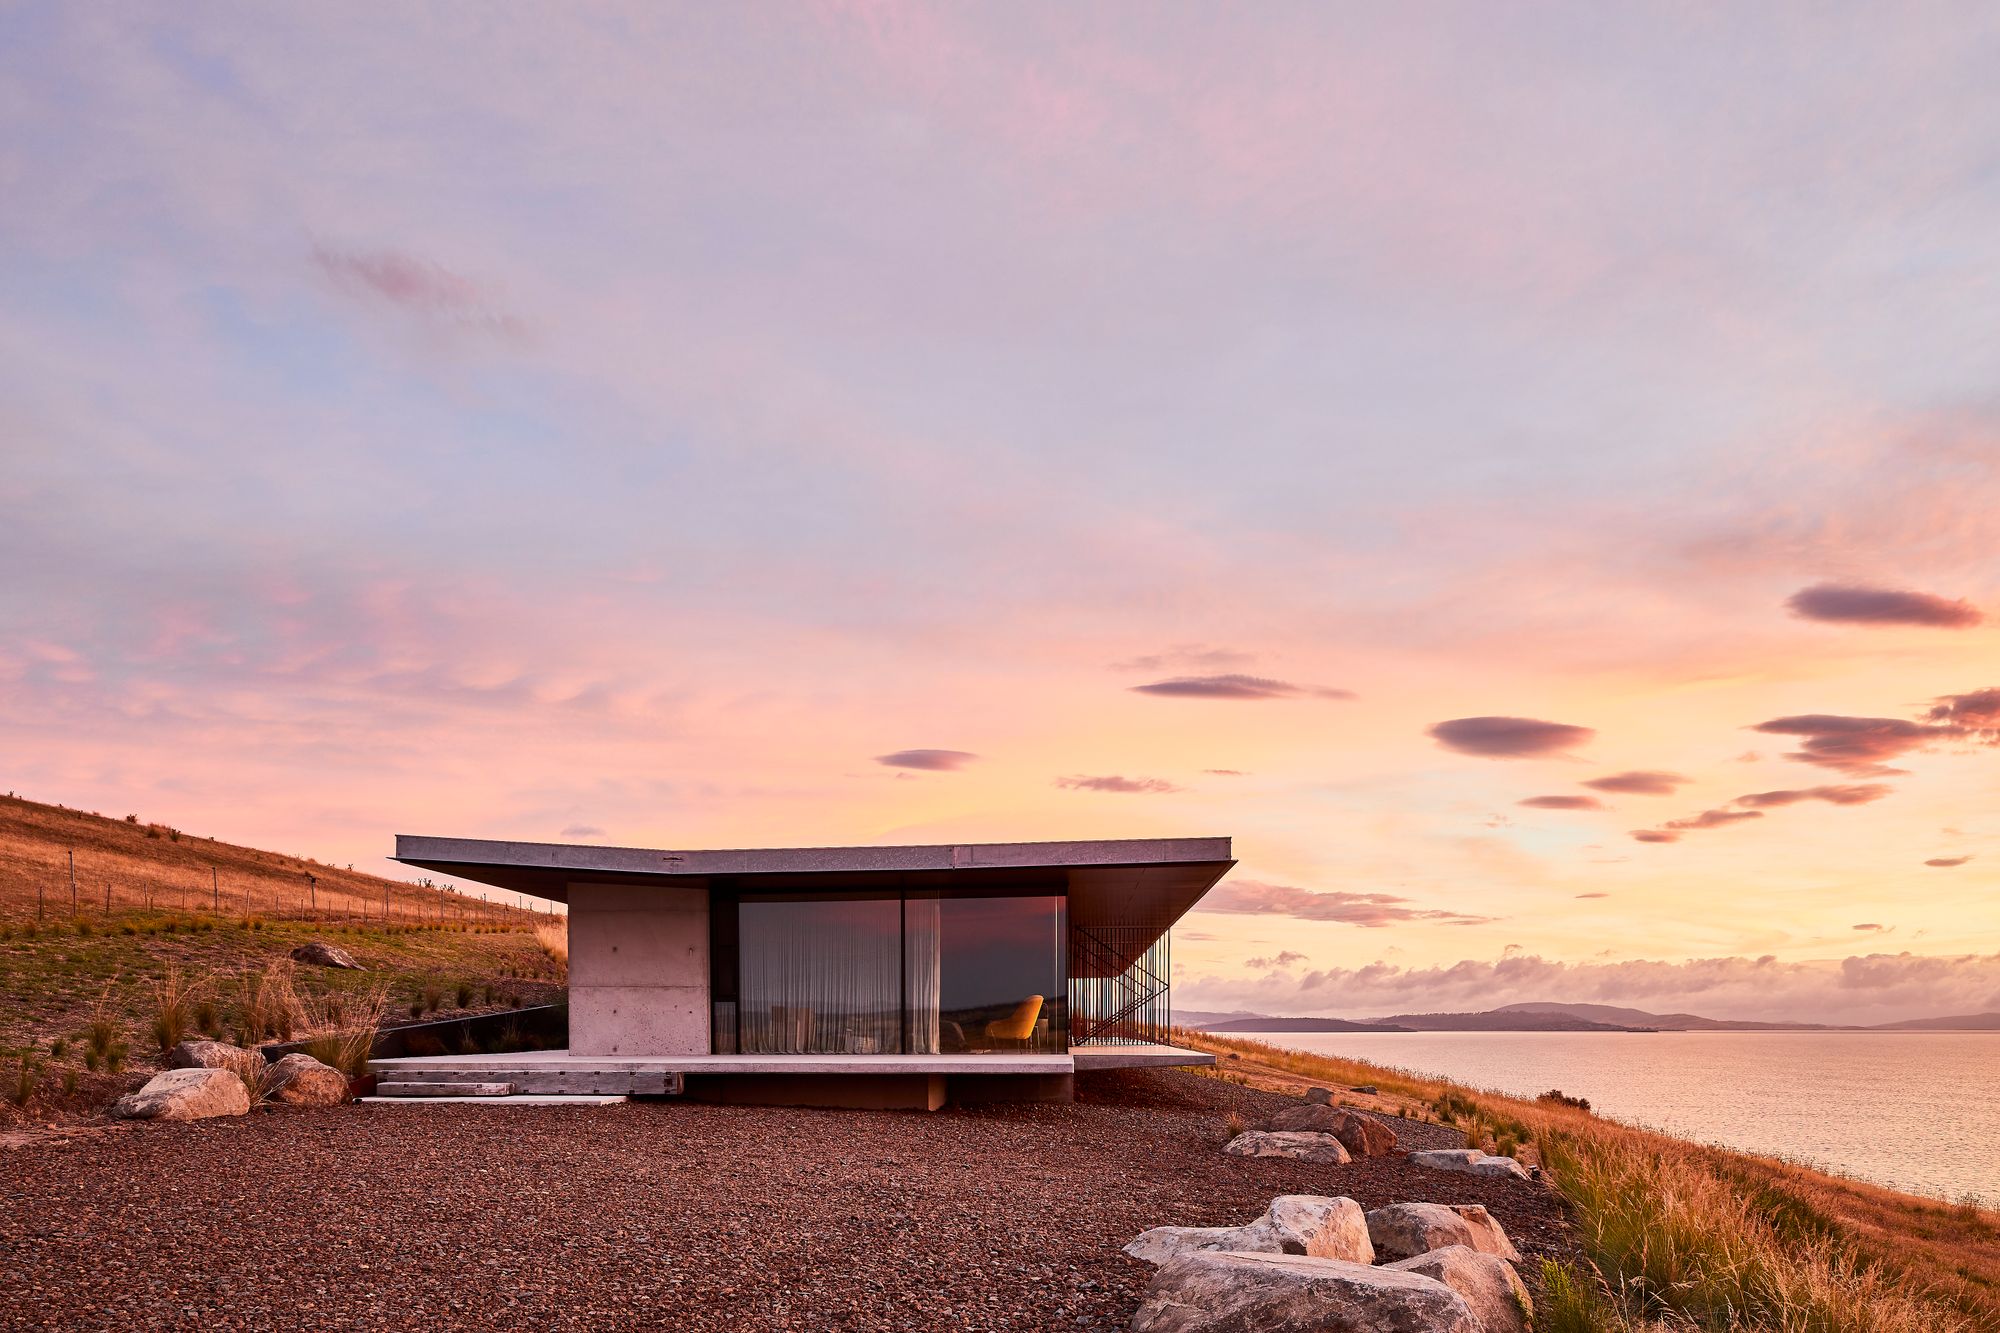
(72, 881)
(215, 891)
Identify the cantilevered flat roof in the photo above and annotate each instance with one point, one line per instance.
(1143, 883)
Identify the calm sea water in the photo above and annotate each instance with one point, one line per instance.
(1915, 1111)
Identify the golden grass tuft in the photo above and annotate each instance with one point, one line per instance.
(553, 936)
(344, 1027)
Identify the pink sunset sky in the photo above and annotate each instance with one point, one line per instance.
(1530, 474)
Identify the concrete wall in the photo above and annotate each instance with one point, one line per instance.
(638, 969)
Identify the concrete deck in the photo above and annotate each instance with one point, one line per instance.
(518, 1099)
(1079, 1057)
(1149, 1056)
(740, 1064)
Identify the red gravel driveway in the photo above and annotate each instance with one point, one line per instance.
(661, 1214)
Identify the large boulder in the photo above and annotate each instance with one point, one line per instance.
(1208, 1292)
(1470, 1161)
(1487, 1282)
(1304, 1147)
(1319, 1096)
(216, 1055)
(325, 955)
(1404, 1230)
(185, 1094)
(1361, 1135)
(1310, 1224)
(300, 1080)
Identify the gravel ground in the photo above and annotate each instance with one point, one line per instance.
(662, 1214)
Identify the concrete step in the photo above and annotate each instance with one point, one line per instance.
(519, 1099)
(425, 1088)
(549, 1079)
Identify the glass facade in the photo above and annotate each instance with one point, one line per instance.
(860, 974)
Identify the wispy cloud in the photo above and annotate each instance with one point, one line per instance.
(1639, 782)
(1861, 605)
(1234, 686)
(1116, 783)
(417, 286)
(583, 831)
(1860, 793)
(1976, 713)
(1753, 806)
(1944, 862)
(1593, 895)
(1509, 737)
(1858, 745)
(1185, 655)
(927, 761)
(1285, 959)
(1874, 926)
(1254, 897)
(1562, 803)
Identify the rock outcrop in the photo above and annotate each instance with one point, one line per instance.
(1487, 1283)
(215, 1055)
(325, 955)
(1361, 1135)
(1303, 1146)
(300, 1080)
(1470, 1161)
(1316, 1225)
(186, 1094)
(1319, 1096)
(1405, 1230)
(1210, 1292)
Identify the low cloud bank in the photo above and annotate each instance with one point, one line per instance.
(1863, 988)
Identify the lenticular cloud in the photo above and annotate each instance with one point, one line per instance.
(1509, 737)
(1859, 605)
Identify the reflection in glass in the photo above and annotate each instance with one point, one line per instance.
(984, 974)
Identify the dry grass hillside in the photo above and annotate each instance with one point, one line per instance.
(176, 935)
(1686, 1235)
(127, 863)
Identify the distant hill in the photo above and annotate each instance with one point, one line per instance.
(1501, 1020)
(1260, 1023)
(1201, 1018)
(1956, 1023)
(1640, 1018)
(1550, 1016)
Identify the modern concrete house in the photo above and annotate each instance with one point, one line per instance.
(882, 976)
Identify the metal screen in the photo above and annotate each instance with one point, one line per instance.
(1119, 985)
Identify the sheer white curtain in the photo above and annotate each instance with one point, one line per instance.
(819, 977)
(922, 971)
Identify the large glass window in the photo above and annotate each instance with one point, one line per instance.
(819, 974)
(984, 974)
(798, 974)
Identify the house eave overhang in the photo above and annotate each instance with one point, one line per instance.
(1145, 883)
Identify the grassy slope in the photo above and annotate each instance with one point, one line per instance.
(57, 971)
(141, 865)
(1684, 1233)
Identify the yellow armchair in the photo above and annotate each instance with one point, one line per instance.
(1019, 1025)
